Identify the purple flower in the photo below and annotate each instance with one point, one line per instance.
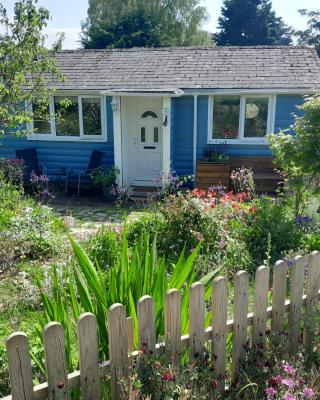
(289, 369)
(289, 396)
(271, 392)
(308, 393)
(288, 382)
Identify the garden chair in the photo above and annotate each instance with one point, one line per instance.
(31, 161)
(80, 177)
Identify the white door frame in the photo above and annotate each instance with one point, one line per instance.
(118, 130)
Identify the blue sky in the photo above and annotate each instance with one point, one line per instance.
(67, 14)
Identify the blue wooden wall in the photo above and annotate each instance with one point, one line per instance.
(182, 130)
(56, 154)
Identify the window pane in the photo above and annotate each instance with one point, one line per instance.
(91, 112)
(226, 112)
(67, 117)
(143, 134)
(256, 118)
(156, 135)
(41, 118)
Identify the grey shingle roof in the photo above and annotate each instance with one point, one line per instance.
(261, 67)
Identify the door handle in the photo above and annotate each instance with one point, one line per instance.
(150, 147)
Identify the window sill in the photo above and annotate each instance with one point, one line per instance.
(52, 138)
(262, 141)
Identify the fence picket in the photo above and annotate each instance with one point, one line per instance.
(130, 333)
(118, 348)
(19, 363)
(89, 357)
(219, 328)
(172, 321)
(240, 321)
(196, 318)
(260, 305)
(279, 296)
(146, 324)
(56, 362)
(297, 282)
(313, 286)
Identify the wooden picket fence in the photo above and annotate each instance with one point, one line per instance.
(88, 379)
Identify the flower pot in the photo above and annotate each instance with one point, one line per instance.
(212, 174)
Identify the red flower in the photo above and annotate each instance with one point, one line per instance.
(168, 377)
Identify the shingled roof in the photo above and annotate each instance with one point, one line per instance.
(261, 67)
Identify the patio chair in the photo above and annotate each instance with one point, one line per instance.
(31, 161)
(83, 176)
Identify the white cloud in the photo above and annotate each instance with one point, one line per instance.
(71, 40)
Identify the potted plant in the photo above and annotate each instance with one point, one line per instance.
(213, 169)
(105, 180)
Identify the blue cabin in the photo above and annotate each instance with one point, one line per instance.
(156, 110)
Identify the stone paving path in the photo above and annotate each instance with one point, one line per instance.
(84, 221)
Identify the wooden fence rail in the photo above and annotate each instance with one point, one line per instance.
(121, 329)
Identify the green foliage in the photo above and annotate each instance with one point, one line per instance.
(160, 378)
(151, 224)
(24, 61)
(271, 230)
(104, 247)
(298, 155)
(104, 179)
(139, 271)
(144, 23)
(250, 23)
(311, 35)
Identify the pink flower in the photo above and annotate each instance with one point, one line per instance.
(288, 382)
(222, 244)
(308, 393)
(289, 396)
(271, 392)
(289, 369)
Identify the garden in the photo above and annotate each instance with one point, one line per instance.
(47, 273)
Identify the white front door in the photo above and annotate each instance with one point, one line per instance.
(148, 146)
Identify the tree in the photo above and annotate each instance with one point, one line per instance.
(251, 23)
(310, 36)
(24, 64)
(298, 155)
(144, 23)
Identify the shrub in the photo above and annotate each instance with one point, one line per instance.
(104, 247)
(298, 155)
(13, 171)
(151, 224)
(272, 230)
(39, 187)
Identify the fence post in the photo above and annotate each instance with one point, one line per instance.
(196, 318)
(56, 362)
(219, 328)
(19, 363)
(279, 296)
(297, 283)
(240, 321)
(313, 287)
(89, 357)
(118, 345)
(130, 334)
(260, 305)
(146, 324)
(172, 321)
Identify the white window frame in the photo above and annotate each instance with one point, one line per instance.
(272, 99)
(82, 137)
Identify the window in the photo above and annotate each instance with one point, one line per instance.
(240, 118)
(41, 118)
(226, 112)
(71, 118)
